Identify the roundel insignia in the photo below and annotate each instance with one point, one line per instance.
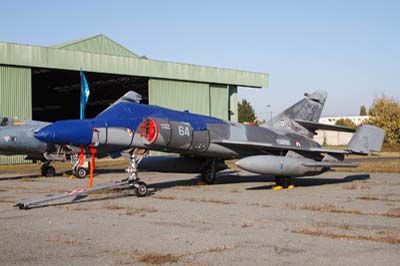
(130, 132)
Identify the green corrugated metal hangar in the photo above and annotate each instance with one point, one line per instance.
(43, 83)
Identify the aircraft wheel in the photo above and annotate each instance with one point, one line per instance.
(279, 180)
(287, 181)
(80, 172)
(48, 171)
(283, 181)
(208, 177)
(141, 190)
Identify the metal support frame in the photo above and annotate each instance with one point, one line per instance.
(73, 193)
(132, 181)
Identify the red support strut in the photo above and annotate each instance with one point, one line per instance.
(92, 164)
(82, 155)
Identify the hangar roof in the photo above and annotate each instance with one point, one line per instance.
(99, 44)
(103, 55)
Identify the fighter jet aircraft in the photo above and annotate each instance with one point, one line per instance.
(17, 138)
(284, 148)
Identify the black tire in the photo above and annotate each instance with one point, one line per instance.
(287, 181)
(43, 171)
(283, 181)
(48, 171)
(51, 171)
(80, 172)
(141, 190)
(208, 177)
(279, 180)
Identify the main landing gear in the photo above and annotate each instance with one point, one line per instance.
(209, 173)
(47, 170)
(134, 157)
(283, 182)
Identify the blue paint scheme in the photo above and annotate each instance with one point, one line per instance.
(129, 110)
(74, 132)
(123, 114)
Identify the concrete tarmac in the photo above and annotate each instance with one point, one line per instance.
(331, 219)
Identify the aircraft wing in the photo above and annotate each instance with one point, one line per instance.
(315, 126)
(251, 145)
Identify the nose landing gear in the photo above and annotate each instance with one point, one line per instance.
(134, 157)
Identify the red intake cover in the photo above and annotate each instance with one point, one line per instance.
(149, 130)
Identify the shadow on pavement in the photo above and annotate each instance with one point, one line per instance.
(224, 178)
(310, 181)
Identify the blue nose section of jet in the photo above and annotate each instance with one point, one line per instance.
(77, 132)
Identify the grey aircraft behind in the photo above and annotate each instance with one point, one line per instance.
(17, 138)
(283, 148)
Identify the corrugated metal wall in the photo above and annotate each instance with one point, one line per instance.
(180, 95)
(219, 101)
(15, 98)
(199, 98)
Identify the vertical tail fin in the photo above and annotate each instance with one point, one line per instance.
(307, 109)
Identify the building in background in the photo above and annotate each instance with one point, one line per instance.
(43, 83)
(325, 137)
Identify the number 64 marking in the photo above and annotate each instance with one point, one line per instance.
(183, 131)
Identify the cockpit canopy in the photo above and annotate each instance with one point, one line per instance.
(4, 121)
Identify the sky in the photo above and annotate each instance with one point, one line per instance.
(351, 49)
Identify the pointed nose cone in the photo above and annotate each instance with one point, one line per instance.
(244, 163)
(73, 132)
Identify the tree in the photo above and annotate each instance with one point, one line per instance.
(345, 122)
(246, 112)
(363, 110)
(385, 113)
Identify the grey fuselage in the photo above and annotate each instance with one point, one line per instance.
(179, 137)
(17, 138)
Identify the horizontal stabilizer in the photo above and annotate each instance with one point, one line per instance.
(312, 126)
(330, 164)
(367, 138)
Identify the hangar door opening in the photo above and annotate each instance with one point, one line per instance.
(56, 93)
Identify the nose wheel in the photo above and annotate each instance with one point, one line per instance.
(80, 172)
(140, 188)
